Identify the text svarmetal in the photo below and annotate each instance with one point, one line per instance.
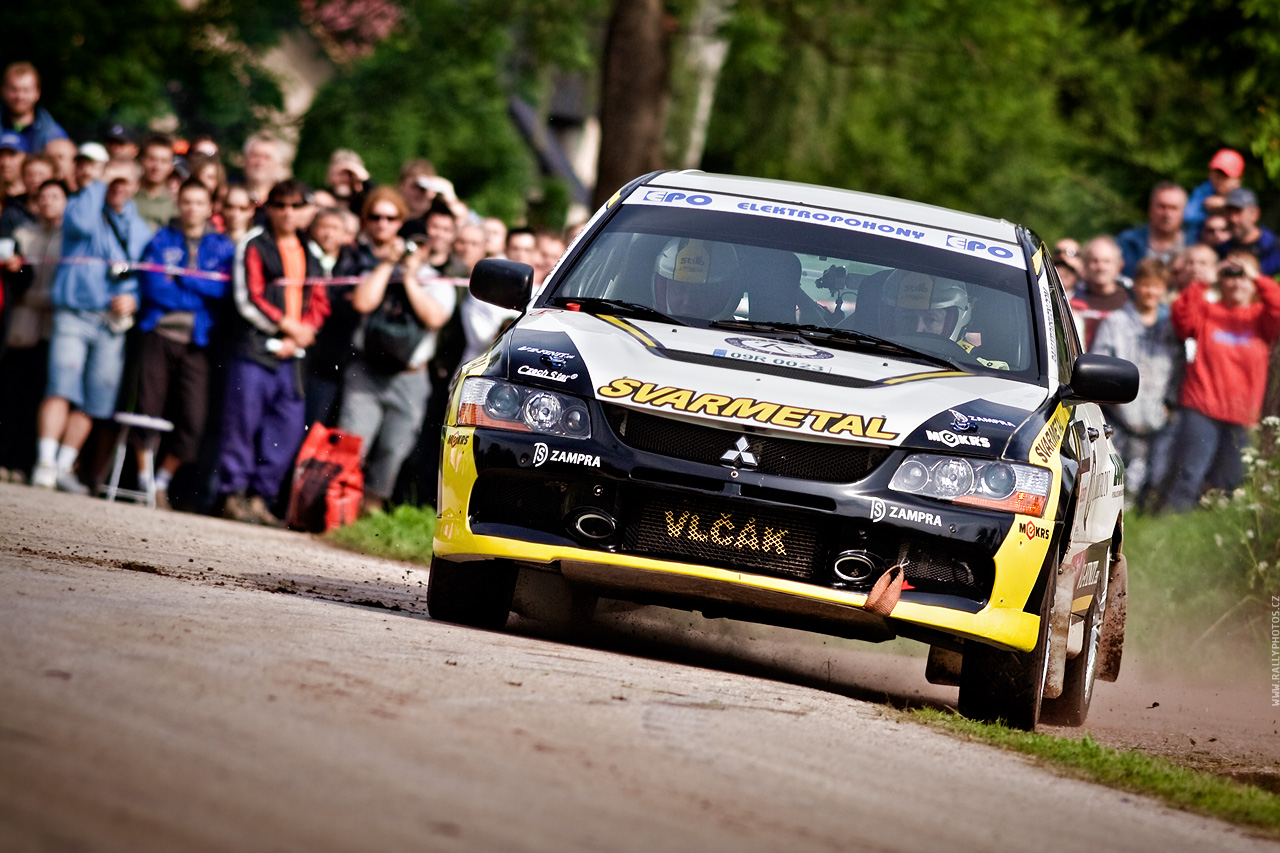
(748, 408)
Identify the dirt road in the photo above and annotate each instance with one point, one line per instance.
(175, 682)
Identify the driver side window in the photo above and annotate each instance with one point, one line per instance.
(1064, 332)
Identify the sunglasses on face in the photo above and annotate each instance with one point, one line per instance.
(281, 205)
(1231, 272)
(383, 217)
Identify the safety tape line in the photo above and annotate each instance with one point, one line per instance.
(188, 272)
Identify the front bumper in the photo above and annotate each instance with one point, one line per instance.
(738, 542)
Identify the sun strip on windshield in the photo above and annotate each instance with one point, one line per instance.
(1000, 252)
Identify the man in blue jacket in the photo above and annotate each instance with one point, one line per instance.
(94, 298)
(1162, 236)
(179, 309)
(19, 110)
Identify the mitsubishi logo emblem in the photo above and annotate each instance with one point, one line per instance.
(740, 454)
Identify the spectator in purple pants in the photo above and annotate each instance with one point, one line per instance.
(263, 419)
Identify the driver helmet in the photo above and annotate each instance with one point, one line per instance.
(694, 276)
(914, 300)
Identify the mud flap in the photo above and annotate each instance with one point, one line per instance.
(1059, 627)
(1111, 642)
(943, 666)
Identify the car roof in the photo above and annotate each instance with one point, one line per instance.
(866, 204)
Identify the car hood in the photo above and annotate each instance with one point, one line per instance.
(763, 383)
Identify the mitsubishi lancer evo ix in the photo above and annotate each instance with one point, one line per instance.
(805, 407)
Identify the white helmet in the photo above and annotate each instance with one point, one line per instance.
(913, 291)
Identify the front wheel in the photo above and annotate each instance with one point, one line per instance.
(997, 685)
(475, 593)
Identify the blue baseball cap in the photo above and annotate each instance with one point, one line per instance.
(1241, 198)
(13, 141)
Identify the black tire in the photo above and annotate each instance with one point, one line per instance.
(1081, 673)
(1001, 686)
(476, 593)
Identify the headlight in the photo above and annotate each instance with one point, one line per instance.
(977, 482)
(503, 405)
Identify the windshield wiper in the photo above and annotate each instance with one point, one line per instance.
(810, 332)
(600, 305)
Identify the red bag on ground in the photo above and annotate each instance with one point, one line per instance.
(327, 482)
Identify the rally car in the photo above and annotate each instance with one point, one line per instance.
(806, 407)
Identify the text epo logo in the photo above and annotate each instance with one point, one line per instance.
(671, 197)
(956, 242)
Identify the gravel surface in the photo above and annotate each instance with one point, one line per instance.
(177, 682)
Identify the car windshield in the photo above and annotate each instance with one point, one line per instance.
(847, 288)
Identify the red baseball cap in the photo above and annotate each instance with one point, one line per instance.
(1228, 160)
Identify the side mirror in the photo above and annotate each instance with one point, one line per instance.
(1103, 379)
(504, 283)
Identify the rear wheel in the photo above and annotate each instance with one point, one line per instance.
(1072, 707)
(476, 594)
(997, 685)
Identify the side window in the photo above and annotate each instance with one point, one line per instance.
(1064, 330)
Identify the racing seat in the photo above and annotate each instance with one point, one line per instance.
(772, 283)
(998, 320)
(634, 282)
(867, 309)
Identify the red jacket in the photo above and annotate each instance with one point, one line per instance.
(1228, 378)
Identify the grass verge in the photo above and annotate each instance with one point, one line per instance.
(1192, 606)
(403, 534)
(1128, 770)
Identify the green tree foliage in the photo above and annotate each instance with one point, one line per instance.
(1234, 43)
(439, 89)
(131, 63)
(1019, 109)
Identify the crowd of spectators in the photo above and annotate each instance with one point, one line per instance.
(1188, 296)
(139, 277)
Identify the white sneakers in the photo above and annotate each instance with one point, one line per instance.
(69, 482)
(47, 476)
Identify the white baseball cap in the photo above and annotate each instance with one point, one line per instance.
(94, 151)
